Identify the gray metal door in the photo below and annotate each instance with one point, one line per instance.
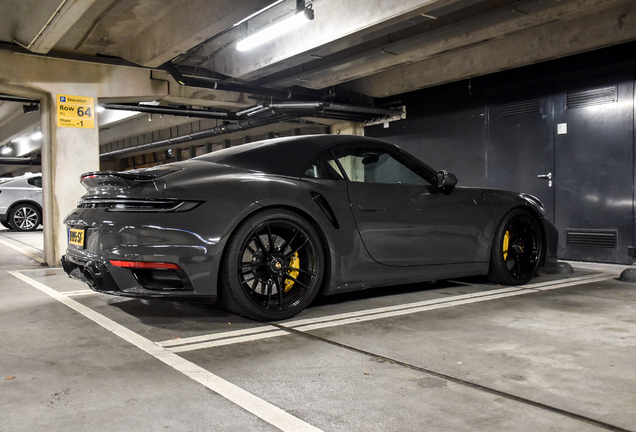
(594, 155)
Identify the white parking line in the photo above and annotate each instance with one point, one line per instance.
(79, 293)
(23, 251)
(220, 339)
(304, 325)
(259, 407)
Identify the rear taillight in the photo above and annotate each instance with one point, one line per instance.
(139, 206)
(144, 265)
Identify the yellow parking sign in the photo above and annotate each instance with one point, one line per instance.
(75, 111)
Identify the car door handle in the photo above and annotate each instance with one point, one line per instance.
(369, 207)
(547, 176)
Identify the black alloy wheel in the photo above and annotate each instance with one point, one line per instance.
(517, 249)
(274, 266)
(25, 217)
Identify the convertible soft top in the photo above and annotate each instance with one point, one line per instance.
(288, 156)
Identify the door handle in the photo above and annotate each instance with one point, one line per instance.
(548, 177)
(369, 207)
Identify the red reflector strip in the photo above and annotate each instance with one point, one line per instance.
(144, 265)
(88, 177)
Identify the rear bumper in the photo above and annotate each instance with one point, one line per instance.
(99, 278)
(109, 247)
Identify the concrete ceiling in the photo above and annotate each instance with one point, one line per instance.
(353, 51)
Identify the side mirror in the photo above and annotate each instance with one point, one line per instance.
(446, 181)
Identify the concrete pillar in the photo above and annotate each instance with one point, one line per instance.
(67, 153)
(348, 128)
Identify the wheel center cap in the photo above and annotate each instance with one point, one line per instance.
(276, 265)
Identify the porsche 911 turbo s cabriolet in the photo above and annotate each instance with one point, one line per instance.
(265, 227)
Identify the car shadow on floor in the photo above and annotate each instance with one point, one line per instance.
(165, 313)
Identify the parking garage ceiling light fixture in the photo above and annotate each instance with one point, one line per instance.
(302, 15)
(6, 149)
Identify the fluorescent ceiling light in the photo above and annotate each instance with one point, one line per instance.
(273, 31)
(6, 150)
(36, 136)
(100, 108)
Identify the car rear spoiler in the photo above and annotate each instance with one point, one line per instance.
(135, 175)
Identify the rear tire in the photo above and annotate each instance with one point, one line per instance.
(517, 249)
(25, 217)
(273, 266)
(6, 225)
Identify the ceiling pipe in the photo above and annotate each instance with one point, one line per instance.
(175, 111)
(171, 69)
(317, 108)
(207, 133)
(329, 106)
(11, 98)
(258, 115)
(19, 161)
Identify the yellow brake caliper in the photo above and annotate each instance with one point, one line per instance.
(294, 262)
(506, 243)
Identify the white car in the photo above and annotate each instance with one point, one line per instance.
(21, 202)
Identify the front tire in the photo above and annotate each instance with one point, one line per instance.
(517, 249)
(273, 267)
(25, 217)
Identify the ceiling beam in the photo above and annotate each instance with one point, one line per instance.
(502, 23)
(187, 25)
(20, 124)
(556, 40)
(46, 22)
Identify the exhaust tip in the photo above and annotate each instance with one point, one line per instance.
(66, 265)
(89, 274)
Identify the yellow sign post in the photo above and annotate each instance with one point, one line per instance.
(75, 111)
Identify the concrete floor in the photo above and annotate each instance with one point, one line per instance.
(558, 354)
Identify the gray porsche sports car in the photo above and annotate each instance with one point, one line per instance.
(264, 227)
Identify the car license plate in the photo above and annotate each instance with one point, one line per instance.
(76, 237)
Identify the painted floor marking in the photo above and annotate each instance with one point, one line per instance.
(259, 407)
(257, 333)
(23, 251)
(231, 341)
(79, 293)
(220, 339)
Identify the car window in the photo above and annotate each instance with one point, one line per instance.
(372, 165)
(35, 181)
(325, 167)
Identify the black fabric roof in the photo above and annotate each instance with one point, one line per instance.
(288, 156)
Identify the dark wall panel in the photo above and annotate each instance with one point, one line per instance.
(521, 140)
(445, 127)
